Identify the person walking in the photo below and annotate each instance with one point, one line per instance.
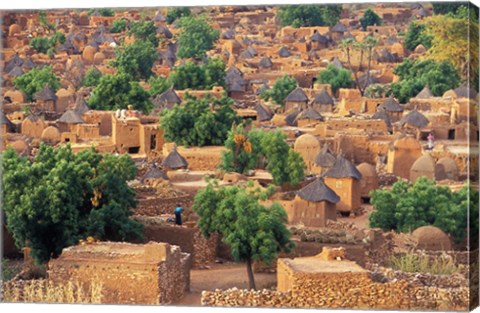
(178, 214)
(430, 139)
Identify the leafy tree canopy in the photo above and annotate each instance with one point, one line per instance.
(144, 31)
(118, 26)
(253, 231)
(103, 11)
(34, 81)
(309, 15)
(446, 7)
(117, 92)
(280, 90)
(336, 77)
(370, 18)
(177, 13)
(414, 75)
(92, 78)
(199, 76)
(47, 45)
(136, 59)
(61, 197)
(199, 122)
(376, 91)
(416, 35)
(246, 149)
(408, 206)
(455, 39)
(158, 85)
(197, 36)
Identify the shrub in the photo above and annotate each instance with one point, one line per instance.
(413, 263)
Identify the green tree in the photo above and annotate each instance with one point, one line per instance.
(196, 37)
(214, 73)
(199, 122)
(414, 75)
(376, 91)
(370, 18)
(446, 7)
(103, 12)
(455, 40)
(177, 13)
(47, 44)
(199, 76)
(117, 92)
(61, 197)
(118, 26)
(34, 81)
(336, 77)
(254, 232)
(284, 166)
(309, 15)
(243, 150)
(408, 206)
(158, 85)
(92, 78)
(416, 36)
(280, 90)
(136, 59)
(144, 31)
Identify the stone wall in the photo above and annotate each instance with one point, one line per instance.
(190, 240)
(154, 273)
(345, 290)
(154, 206)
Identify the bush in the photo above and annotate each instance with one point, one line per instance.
(177, 13)
(196, 124)
(197, 37)
(408, 206)
(280, 90)
(118, 26)
(35, 80)
(370, 18)
(309, 15)
(199, 76)
(92, 78)
(103, 11)
(413, 263)
(415, 75)
(336, 77)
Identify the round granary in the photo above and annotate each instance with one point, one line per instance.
(432, 238)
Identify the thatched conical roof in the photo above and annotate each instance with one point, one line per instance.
(318, 191)
(343, 168)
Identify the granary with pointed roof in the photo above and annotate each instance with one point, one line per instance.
(323, 102)
(313, 205)
(310, 117)
(344, 178)
(174, 161)
(46, 98)
(324, 160)
(393, 109)
(297, 99)
(166, 100)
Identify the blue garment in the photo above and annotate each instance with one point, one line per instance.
(178, 210)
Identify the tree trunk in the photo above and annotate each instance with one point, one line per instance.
(354, 72)
(368, 70)
(251, 278)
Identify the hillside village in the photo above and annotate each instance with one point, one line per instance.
(346, 130)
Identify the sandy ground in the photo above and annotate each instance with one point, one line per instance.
(223, 276)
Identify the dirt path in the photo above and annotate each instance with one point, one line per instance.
(223, 276)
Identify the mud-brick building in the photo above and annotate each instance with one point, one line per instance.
(314, 204)
(402, 153)
(152, 273)
(129, 135)
(344, 179)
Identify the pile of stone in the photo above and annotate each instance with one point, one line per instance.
(325, 235)
(247, 298)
